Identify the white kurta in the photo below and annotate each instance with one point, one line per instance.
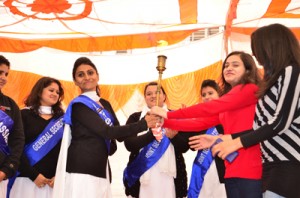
(84, 185)
(3, 188)
(158, 181)
(24, 187)
(212, 187)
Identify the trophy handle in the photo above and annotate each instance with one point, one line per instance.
(161, 63)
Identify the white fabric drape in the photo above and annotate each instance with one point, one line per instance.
(163, 172)
(60, 177)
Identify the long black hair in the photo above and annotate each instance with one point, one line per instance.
(33, 100)
(275, 47)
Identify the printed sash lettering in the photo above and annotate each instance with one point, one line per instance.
(148, 156)
(6, 124)
(45, 142)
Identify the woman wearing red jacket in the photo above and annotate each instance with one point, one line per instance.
(235, 111)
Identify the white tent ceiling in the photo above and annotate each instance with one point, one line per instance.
(46, 36)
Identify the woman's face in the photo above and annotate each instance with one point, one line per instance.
(234, 70)
(50, 95)
(86, 78)
(150, 96)
(4, 69)
(208, 93)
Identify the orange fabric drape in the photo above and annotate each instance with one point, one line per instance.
(248, 31)
(231, 15)
(91, 44)
(59, 10)
(188, 11)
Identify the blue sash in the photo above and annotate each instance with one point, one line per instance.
(45, 142)
(148, 156)
(6, 124)
(41, 146)
(103, 113)
(201, 164)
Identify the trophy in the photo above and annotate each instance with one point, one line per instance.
(158, 131)
(161, 63)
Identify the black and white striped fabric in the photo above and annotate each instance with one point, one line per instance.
(277, 118)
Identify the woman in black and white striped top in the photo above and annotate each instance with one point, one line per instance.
(277, 120)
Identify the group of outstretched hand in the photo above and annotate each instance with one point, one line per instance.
(155, 119)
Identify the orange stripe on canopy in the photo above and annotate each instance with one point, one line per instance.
(231, 15)
(188, 11)
(90, 44)
(278, 9)
(248, 31)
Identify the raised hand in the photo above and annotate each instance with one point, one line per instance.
(153, 120)
(199, 142)
(159, 111)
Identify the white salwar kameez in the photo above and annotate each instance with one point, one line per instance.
(84, 185)
(212, 187)
(158, 181)
(25, 187)
(3, 188)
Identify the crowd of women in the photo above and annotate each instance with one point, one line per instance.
(250, 124)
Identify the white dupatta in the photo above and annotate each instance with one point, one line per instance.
(60, 176)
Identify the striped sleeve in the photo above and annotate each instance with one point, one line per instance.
(278, 111)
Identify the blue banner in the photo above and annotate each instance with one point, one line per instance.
(200, 166)
(45, 142)
(149, 155)
(6, 124)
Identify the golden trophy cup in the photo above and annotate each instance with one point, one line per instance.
(161, 63)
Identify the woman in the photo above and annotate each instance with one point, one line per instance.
(235, 111)
(207, 178)
(83, 164)
(42, 114)
(276, 125)
(12, 135)
(144, 178)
